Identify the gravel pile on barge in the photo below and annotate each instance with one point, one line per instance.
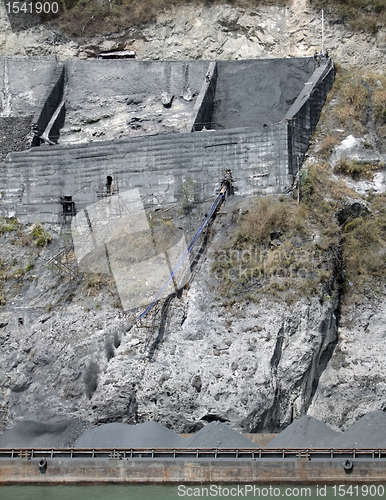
(31, 434)
(368, 432)
(147, 435)
(218, 435)
(305, 432)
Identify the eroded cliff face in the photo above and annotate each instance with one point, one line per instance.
(354, 380)
(219, 32)
(252, 365)
(246, 365)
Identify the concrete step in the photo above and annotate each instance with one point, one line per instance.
(159, 159)
(135, 144)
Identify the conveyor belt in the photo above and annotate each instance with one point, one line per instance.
(225, 188)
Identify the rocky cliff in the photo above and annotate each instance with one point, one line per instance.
(68, 352)
(217, 32)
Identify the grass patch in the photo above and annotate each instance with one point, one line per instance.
(269, 214)
(379, 104)
(29, 267)
(352, 101)
(279, 249)
(95, 282)
(364, 241)
(328, 144)
(8, 225)
(357, 170)
(40, 236)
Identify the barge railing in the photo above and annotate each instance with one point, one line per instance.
(196, 453)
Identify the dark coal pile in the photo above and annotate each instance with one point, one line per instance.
(257, 92)
(305, 432)
(367, 432)
(14, 134)
(31, 434)
(218, 435)
(147, 435)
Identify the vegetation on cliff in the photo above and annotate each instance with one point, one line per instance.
(327, 234)
(94, 16)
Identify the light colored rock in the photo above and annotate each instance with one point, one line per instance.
(353, 382)
(362, 150)
(216, 32)
(257, 363)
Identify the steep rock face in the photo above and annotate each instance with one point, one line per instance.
(219, 32)
(353, 382)
(268, 31)
(254, 366)
(51, 362)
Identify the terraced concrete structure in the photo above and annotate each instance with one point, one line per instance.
(23, 83)
(254, 117)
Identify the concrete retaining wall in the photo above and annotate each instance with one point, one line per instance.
(157, 165)
(304, 114)
(112, 99)
(257, 92)
(297, 471)
(263, 157)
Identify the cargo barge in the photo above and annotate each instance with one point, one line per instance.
(193, 466)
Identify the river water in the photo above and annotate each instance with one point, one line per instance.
(131, 492)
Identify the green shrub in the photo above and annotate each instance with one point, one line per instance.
(40, 236)
(8, 225)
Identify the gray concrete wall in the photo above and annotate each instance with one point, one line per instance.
(304, 114)
(23, 82)
(112, 99)
(157, 165)
(263, 157)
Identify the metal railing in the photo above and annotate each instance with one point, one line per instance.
(195, 453)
